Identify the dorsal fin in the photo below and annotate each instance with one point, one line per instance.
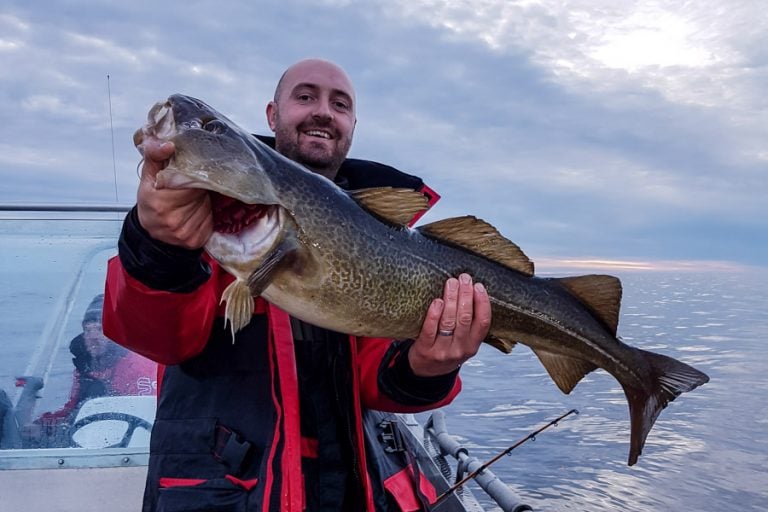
(482, 238)
(601, 293)
(395, 205)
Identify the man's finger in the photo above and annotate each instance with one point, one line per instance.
(432, 320)
(481, 322)
(451, 298)
(464, 307)
(156, 154)
(156, 149)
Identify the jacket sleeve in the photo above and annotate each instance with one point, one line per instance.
(64, 414)
(387, 382)
(160, 300)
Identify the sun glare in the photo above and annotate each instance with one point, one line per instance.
(652, 39)
(558, 265)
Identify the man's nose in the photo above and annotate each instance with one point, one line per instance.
(323, 111)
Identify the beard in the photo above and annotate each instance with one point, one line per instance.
(316, 156)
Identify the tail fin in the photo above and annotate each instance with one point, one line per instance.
(669, 378)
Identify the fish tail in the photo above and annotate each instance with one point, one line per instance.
(669, 378)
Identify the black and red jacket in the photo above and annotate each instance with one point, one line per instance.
(228, 433)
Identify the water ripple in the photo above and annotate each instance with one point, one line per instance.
(708, 449)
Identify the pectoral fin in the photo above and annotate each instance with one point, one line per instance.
(263, 275)
(240, 293)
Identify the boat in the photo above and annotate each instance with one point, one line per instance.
(54, 262)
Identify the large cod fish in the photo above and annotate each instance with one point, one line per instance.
(347, 261)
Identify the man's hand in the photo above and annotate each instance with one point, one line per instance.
(179, 217)
(453, 330)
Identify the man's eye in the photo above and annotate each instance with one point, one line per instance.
(341, 105)
(304, 97)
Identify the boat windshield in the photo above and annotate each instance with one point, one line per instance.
(65, 389)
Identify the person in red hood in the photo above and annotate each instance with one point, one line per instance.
(102, 368)
(274, 420)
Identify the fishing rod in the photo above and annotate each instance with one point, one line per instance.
(483, 467)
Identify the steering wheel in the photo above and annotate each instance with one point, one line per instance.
(134, 422)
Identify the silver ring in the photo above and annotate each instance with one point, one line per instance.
(441, 332)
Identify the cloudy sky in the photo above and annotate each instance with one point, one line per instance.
(602, 130)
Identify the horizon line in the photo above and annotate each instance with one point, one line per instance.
(546, 265)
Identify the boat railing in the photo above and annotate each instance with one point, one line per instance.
(64, 207)
(499, 492)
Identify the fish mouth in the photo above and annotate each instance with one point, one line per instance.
(243, 234)
(231, 216)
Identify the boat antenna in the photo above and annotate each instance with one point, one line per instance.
(112, 134)
(529, 437)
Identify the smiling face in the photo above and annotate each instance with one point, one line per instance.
(313, 115)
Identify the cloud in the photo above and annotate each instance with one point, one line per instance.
(591, 128)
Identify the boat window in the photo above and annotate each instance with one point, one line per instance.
(63, 384)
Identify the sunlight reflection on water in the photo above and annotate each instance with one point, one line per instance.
(708, 450)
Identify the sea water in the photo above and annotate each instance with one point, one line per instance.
(709, 448)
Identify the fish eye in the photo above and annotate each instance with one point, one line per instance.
(214, 126)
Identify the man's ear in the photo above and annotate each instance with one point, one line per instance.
(272, 115)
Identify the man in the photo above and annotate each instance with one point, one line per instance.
(273, 421)
(103, 368)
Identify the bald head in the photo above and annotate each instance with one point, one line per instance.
(313, 67)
